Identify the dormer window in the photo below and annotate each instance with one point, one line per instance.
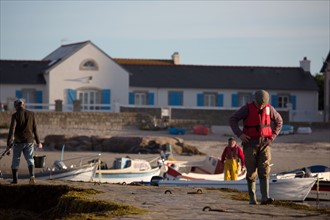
(88, 65)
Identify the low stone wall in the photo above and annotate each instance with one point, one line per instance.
(80, 120)
(206, 117)
(129, 117)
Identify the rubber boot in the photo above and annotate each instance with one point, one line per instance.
(15, 176)
(264, 189)
(32, 178)
(252, 192)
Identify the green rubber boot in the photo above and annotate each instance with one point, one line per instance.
(264, 189)
(252, 192)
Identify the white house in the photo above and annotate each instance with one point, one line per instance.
(166, 84)
(72, 72)
(82, 71)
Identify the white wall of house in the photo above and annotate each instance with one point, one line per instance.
(306, 107)
(327, 93)
(68, 75)
(306, 101)
(8, 92)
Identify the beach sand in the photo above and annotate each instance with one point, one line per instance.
(288, 152)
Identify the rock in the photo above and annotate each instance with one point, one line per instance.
(147, 145)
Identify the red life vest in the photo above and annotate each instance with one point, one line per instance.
(257, 124)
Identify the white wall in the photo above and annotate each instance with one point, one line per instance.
(306, 101)
(108, 76)
(8, 92)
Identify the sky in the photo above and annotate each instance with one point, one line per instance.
(224, 33)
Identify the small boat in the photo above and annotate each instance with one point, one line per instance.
(80, 169)
(321, 189)
(295, 189)
(59, 171)
(211, 168)
(126, 170)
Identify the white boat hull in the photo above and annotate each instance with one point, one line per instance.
(319, 172)
(280, 189)
(320, 193)
(118, 176)
(84, 173)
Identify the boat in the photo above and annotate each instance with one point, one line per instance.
(294, 189)
(211, 168)
(321, 189)
(73, 169)
(126, 171)
(59, 171)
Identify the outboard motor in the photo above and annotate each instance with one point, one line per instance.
(59, 165)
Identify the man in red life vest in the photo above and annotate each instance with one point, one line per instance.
(230, 157)
(256, 137)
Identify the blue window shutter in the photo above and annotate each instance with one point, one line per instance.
(72, 95)
(19, 94)
(151, 97)
(200, 99)
(38, 96)
(220, 100)
(106, 98)
(234, 100)
(293, 102)
(274, 101)
(171, 98)
(131, 98)
(175, 98)
(38, 99)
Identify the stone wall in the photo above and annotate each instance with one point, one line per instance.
(206, 117)
(129, 117)
(80, 120)
(133, 118)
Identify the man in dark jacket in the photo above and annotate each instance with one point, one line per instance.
(257, 135)
(21, 136)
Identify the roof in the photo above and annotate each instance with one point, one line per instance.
(325, 63)
(63, 52)
(220, 77)
(125, 61)
(22, 71)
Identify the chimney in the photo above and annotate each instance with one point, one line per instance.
(305, 64)
(176, 58)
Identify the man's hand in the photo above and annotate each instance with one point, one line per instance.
(40, 145)
(244, 138)
(8, 150)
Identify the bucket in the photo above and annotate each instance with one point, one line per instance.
(39, 161)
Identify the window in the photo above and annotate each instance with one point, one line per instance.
(282, 100)
(140, 98)
(88, 64)
(89, 99)
(243, 98)
(29, 95)
(210, 99)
